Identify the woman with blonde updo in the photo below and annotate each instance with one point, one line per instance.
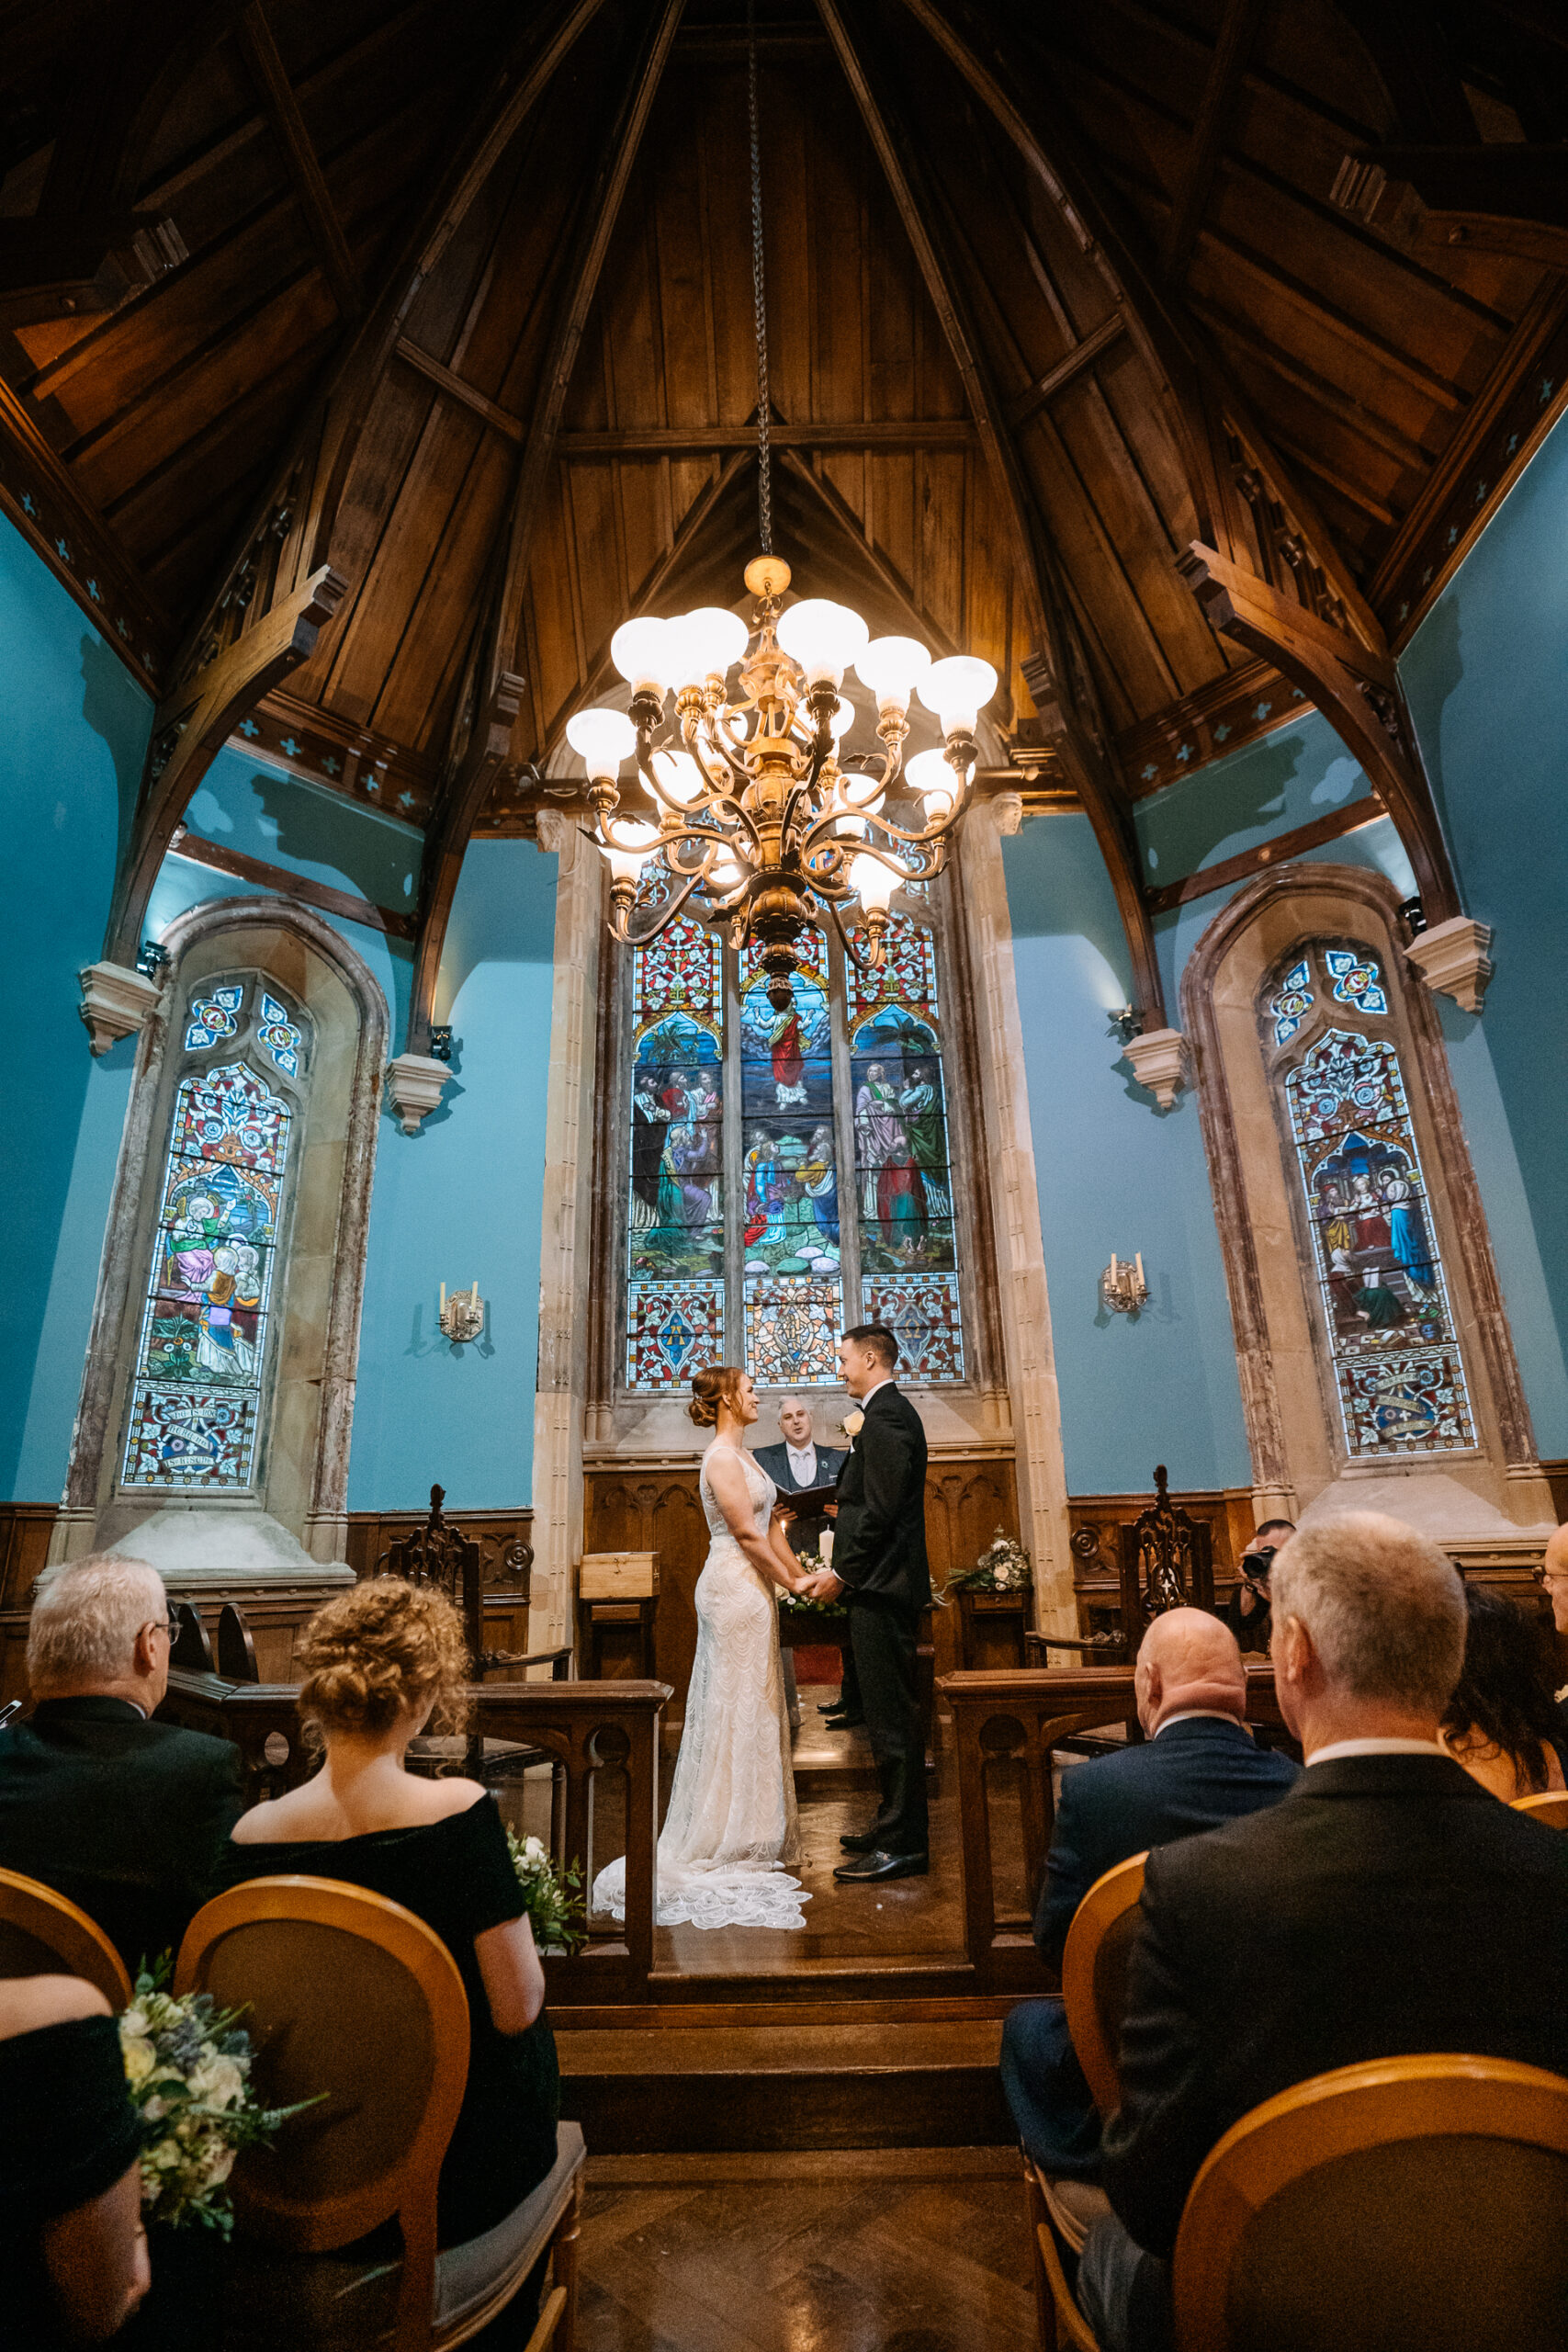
(731, 1823)
(379, 1665)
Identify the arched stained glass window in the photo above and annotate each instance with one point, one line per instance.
(789, 1163)
(1398, 1371)
(196, 1400)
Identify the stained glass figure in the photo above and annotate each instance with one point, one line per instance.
(196, 1397)
(1356, 980)
(790, 1238)
(214, 1017)
(282, 1037)
(1292, 1004)
(792, 1332)
(902, 1176)
(1397, 1363)
(675, 1310)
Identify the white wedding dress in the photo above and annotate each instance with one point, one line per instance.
(731, 1823)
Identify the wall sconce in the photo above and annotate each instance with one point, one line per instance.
(441, 1044)
(1122, 1286)
(153, 960)
(1127, 1024)
(463, 1315)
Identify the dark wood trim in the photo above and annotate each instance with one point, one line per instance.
(303, 163)
(1239, 28)
(25, 1532)
(1216, 720)
(703, 440)
(289, 885)
(1067, 368)
(1368, 811)
(425, 364)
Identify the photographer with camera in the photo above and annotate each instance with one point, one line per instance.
(1247, 1612)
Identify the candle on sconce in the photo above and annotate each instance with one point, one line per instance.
(1140, 1266)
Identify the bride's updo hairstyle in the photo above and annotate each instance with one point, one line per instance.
(383, 1645)
(720, 1384)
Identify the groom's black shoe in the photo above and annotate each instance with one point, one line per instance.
(879, 1864)
(859, 1842)
(842, 1722)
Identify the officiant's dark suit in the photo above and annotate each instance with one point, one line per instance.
(805, 1535)
(125, 1817)
(879, 1556)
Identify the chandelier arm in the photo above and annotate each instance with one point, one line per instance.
(662, 800)
(846, 942)
(666, 916)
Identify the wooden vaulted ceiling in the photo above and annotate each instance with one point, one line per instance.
(1025, 348)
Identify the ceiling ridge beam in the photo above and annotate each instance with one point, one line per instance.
(1059, 678)
(497, 691)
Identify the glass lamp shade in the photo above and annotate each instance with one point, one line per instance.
(706, 642)
(628, 848)
(824, 638)
(892, 667)
(680, 778)
(958, 690)
(726, 875)
(874, 881)
(604, 737)
(863, 792)
(645, 654)
(929, 775)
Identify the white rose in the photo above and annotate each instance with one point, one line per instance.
(133, 2022)
(217, 2167)
(218, 2081)
(853, 1424)
(140, 2058)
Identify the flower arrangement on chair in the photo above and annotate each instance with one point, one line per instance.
(1002, 1567)
(553, 1895)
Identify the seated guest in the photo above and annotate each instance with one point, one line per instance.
(1502, 1722)
(126, 1816)
(1553, 1574)
(1387, 1905)
(1246, 1610)
(73, 2250)
(1199, 1766)
(379, 1665)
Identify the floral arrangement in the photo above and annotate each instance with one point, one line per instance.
(800, 1604)
(188, 2066)
(553, 1897)
(1002, 1567)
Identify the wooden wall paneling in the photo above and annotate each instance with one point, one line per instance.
(25, 1531)
(1095, 1519)
(506, 1560)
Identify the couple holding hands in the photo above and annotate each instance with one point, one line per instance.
(731, 1828)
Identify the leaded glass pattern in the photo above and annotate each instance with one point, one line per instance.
(196, 1399)
(791, 1241)
(792, 1332)
(1398, 1368)
(923, 1313)
(1292, 1004)
(907, 978)
(673, 1331)
(1356, 980)
(281, 1036)
(213, 1018)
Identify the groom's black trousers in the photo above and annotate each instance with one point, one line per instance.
(885, 1637)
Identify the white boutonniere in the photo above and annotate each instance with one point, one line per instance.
(852, 1424)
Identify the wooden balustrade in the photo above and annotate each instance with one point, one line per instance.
(1005, 1727)
(587, 1729)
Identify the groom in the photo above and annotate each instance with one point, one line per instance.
(879, 1559)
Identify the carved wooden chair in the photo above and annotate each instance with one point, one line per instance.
(1550, 1806)
(190, 1651)
(1411, 2205)
(236, 1649)
(351, 1994)
(1094, 1991)
(1167, 1562)
(42, 1934)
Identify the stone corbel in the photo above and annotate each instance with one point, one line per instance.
(1451, 958)
(1159, 1062)
(415, 1081)
(116, 1002)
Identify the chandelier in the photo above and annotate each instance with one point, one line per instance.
(748, 806)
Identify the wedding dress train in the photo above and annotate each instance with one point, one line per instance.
(731, 1823)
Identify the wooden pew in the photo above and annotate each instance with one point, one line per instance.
(1006, 1728)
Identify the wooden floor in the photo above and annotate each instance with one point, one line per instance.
(906, 2251)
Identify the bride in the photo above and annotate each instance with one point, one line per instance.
(731, 1823)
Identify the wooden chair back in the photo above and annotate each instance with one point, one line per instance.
(1094, 1975)
(1166, 1561)
(1411, 2205)
(191, 1652)
(42, 1934)
(1550, 1805)
(348, 1994)
(236, 1648)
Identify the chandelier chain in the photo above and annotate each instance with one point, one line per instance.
(764, 451)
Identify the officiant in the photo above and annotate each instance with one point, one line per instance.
(796, 1466)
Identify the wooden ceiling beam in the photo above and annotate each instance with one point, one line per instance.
(703, 440)
(1067, 368)
(425, 364)
(1492, 200)
(1058, 673)
(1238, 29)
(498, 690)
(261, 54)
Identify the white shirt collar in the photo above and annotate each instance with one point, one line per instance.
(1331, 1754)
(870, 1393)
(1199, 1714)
(803, 1459)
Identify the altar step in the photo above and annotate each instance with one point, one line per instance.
(792, 2079)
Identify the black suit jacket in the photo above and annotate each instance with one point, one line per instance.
(125, 1817)
(804, 1534)
(879, 1548)
(1387, 1907)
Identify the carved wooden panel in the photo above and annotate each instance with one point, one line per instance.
(506, 1557)
(1096, 1521)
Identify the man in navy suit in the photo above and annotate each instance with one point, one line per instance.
(795, 1467)
(1197, 1768)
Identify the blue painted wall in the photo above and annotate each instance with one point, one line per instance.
(240, 803)
(463, 1200)
(1115, 1175)
(70, 755)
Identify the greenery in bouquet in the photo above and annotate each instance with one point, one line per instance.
(1002, 1567)
(187, 2063)
(554, 1901)
(800, 1604)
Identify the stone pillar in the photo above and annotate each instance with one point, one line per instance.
(1019, 1244)
(561, 1399)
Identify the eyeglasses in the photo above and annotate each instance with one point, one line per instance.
(170, 1625)
(1543, 1575)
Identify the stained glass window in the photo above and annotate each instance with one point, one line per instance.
(765, 1264)
(196, 1413)
(1397, 1367)
(1292, 1004)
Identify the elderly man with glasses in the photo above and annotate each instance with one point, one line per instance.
(125, 1815)
(1552, 1574)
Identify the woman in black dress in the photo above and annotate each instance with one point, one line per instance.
(379, 1665)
